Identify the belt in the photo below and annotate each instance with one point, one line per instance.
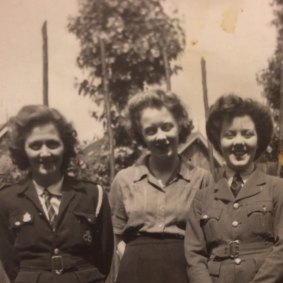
(160, 235)
(235, 249)
(55, 263)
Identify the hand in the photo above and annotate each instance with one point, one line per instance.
(121, 246)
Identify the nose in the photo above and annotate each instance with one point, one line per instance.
(160, 135)
(44, 151)
(238, 139)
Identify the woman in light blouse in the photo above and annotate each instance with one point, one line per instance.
(150, 200)
(235, 227)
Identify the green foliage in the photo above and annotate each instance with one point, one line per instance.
(94, 165)
(137, 34)
(9, 174)
(270, 80)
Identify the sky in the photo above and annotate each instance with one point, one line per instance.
(236, 38)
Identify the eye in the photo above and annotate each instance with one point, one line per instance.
(149, 131)
(229, 135)
(167, 127)
(35, 145)
(52, 144)
(248, 134)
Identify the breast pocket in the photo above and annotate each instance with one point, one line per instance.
(22, 226)
(210, 223)
(260, 218)
(87, 226)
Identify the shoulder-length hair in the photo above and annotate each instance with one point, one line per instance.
(31, 116)
(230, 106)
(158, 99)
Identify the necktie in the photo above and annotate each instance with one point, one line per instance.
(236, 184)
(50, 209)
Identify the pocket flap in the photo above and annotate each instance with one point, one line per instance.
(262, 207)
(214, 267)
(212, 213)
(88, 217)
(21, 219)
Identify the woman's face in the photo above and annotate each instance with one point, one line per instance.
(44, 149)
(160, 132)
(238, 142)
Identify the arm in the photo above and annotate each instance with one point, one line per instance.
(195, 246)
(9, 266)
(105, 237)
(119, 216)
(271, 270)
(3, 276)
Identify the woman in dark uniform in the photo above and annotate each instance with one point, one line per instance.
(235, 228)
(150, 200)
(54, 228)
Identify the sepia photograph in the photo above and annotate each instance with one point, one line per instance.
(141, 141)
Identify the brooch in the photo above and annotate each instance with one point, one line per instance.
(26, 217)
(87, 236)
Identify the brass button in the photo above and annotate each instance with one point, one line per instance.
(205, 216)
(236, 205)
(235, 223)
(237, 261)
(56, 251)
(17, 223)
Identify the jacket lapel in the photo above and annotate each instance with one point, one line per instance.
(69, 192)
(253, 185)
(222, 190)
(28, 189)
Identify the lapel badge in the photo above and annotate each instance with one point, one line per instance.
(26, 217)
(87, 236)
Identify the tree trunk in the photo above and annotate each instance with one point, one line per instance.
(45, 63)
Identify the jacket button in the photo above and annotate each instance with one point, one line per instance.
(237, 261)
(56, 251)
(235, 223)
(236, 205)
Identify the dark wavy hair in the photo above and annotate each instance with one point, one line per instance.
(158, 99)
(31, 116)
(230, 106)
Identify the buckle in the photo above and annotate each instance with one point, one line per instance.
(57, 264)
(234, 249)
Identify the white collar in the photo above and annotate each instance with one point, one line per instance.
(55, 189)
(229, 174)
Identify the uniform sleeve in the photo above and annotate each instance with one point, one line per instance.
(271, 270)
(195, 245)
(119, 215)
(3, 275)
(105, 236)
(207, 180)
(9, 265)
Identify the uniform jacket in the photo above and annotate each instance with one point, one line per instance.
(27, 239)
(237, 239)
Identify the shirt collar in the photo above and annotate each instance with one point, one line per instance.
(143, 171)
(54, 189)
(229, 174)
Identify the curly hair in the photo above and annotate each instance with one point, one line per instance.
(230, 106)
(31, 116)
(158, 99)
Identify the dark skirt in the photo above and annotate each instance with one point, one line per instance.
(150, 260)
